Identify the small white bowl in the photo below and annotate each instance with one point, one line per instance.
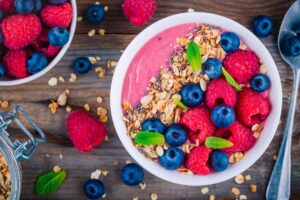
(57, 58)
(271, 123)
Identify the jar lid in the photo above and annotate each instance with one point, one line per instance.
(21, 150)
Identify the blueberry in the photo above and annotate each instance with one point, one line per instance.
(153, 125)
(172, 159)
(38, 4)
(93, 189)
(230, 42)
(222, 116)
(175, 135)
(219, 160)
(57, 1)
(212, 68)
(1, 14)
(132, 174)
(58, 36)
(36, 62)
(82, 65)
(2, 71)
(262, 26)
(291, 46)
(24, 6)
(260, 82)
(192, 95)
(95, 14)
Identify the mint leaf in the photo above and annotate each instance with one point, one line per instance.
(49, 182)
(217, 143)
(194, 56)
(149, 138)
(230, 80)
(180, 104)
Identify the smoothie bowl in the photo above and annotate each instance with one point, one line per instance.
(196, 99)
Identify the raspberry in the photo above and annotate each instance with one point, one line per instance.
(199, 124)
(42, 45)
(242, 65)
(220, 92)
(6, 5)
(139, 11)
(15, 63)
(251, 107)
(197, 160)
(20, 30)
(85, 130)
(57, 15)
(239, 135)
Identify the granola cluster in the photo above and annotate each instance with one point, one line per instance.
(158, 101)
(5, 179)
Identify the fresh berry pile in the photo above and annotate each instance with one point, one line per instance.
(208, 113)
(32, 34)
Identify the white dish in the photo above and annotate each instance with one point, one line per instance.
(275, 98)
(58, 57)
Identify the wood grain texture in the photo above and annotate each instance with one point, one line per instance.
(35, 96)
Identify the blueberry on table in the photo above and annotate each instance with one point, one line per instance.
(58, 36)
(36, 62)
(230, 42)
(212, 68)
(291, 46)
(82, 65)
(153, 125)
(2, 71)
(260, 82)
(24, 6)
(175, 135)
(132, 174)
(219, 160)
(172, 159)
(222, 116)
(95, 14)
(93, 189)
(192, 95)
(262, 26)
(57, 1)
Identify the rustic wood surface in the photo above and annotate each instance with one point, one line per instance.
(36, 96)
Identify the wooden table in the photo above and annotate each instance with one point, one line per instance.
(36, 96)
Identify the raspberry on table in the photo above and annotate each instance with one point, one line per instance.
(15, 63)
(219, 91)
(57, 15)
(199, 124)
(239, 135)
(251, 107)
(139, 11)
(242, 65)
(198, 160)
(20, 30)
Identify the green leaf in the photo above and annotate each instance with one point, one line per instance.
(49, 182)
(149, 138)
(180, 104)
(230, 80)
(194, 56)
(217, 143)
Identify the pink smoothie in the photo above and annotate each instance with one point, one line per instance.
(148, 60)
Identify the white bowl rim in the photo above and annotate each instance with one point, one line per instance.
(57, 58)
(275, 98)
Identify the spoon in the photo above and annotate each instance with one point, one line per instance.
(280, 181)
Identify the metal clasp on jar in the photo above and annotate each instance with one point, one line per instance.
(22, 150)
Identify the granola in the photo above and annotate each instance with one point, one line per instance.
(5, 179)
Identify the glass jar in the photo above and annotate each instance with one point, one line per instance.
(15, 151)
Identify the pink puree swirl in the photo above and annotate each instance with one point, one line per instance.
(148, 60)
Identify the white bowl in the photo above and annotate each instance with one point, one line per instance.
(275, 97)
(57, 58)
